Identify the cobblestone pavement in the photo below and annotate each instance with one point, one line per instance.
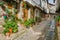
(35, 33)
(42, 28)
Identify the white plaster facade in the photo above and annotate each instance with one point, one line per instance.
(45, 6)
(50, 8)
(30, 1)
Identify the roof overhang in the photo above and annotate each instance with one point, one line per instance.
(30, 2)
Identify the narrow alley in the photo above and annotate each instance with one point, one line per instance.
(29, 19)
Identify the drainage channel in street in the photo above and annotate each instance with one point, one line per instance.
(51, 31)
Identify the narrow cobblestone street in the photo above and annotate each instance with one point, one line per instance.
(29, 19)
(38, 32)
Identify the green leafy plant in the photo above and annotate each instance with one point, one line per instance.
(7, 10)
(57, 18)
(29, 22)
(10, 24)
(1, 3)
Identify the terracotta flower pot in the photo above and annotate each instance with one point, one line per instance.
(7, 34)
(10, 30)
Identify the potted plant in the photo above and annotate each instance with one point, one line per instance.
(29, 23)
(10, 30)
(32, 21)
(10, 27)
(6, 32)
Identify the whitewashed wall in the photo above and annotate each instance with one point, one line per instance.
(34, 2)
(57, 4)
(29, 13)
(37, 1)
(44, 5)
(30, 1)
(37, 12)
(51, 9)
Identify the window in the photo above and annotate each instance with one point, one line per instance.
(40, 2)
(51, 2)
